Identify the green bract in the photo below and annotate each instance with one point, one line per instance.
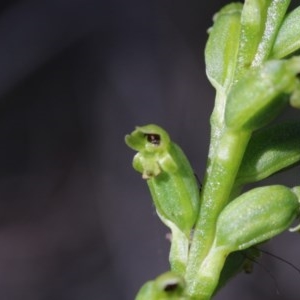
(259, 95)
(222, 46)
(253, 19)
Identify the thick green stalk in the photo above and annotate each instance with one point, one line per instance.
(210, 273)
(224, 161)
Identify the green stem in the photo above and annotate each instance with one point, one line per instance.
(223, 165)
(179, 251)
(210, 272)
(179, 247)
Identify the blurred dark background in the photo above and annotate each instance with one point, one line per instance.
(76, 222)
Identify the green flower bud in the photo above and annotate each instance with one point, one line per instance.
(259, 95)
(222, 45)
(170, 177)
(256, 216)
(168, 286)
(253, 19)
